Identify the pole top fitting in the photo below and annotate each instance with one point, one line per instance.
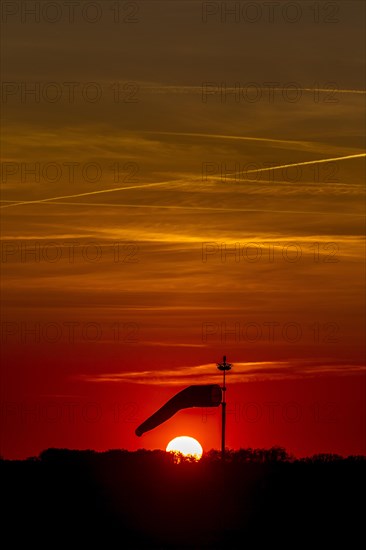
(224, 365)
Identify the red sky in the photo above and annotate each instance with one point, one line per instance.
(145, 236)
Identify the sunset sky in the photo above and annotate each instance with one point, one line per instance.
(177, 184)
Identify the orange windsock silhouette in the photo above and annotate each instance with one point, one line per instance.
(208, 395)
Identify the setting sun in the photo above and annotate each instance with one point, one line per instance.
(186, 445)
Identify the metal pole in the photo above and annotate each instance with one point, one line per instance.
(223, 422)
(224, 367)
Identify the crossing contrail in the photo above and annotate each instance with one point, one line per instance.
(89, 193)
(319, 161)
(195, 208)
(256, 170)
(224, 136)
(233, 90)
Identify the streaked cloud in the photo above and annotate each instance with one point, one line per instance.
(243, 372)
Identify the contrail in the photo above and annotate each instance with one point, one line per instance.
(195, 208)
(319, 161)
(305, 163)
(89, 193)
(231, 89)
(223, 136)
(304, 144)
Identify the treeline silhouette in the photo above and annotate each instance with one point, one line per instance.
(154, 499)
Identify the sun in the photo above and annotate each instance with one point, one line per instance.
(186, 445)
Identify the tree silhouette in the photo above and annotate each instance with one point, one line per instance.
(154, 500)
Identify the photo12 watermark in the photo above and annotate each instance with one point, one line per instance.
(269, 92)
(254, 332)
(69, 332)
(236, 171)
(68, 412)
(68, 172)
(29, 251)
(270, 12)
(68, 92)
(71, 12)
(276, 412)
(269, 252)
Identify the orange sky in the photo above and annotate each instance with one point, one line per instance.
(179, 185)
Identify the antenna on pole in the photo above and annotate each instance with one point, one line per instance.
(224, 366)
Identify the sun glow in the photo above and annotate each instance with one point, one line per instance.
(186, 445)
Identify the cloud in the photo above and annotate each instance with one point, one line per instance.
(241, 373)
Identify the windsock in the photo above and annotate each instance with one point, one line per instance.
(208, 395)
